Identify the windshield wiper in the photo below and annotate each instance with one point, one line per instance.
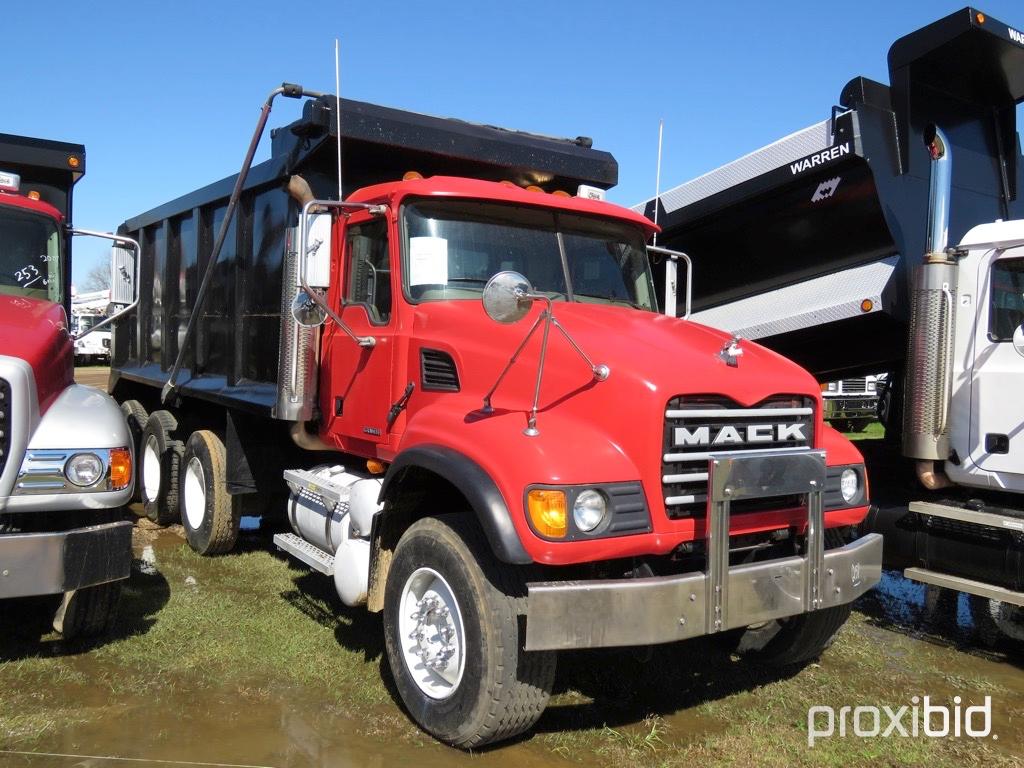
(613, 299)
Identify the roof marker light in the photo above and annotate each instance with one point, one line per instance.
(73, 162)
(9, 182)
(534, 188)
(589, 192)
(33, 195)
(412, 175)
(980, 17)
(867, 305)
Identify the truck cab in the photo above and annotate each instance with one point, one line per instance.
(986, 412)
(66, 457)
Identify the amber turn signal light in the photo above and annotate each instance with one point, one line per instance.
(867, 305)
(548, 513)
(120, 468)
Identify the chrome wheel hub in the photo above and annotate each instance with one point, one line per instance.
(432, 634)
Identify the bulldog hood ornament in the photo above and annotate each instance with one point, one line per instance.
(731, 351)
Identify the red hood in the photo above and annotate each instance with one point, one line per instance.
(36, 331)
(652, 357)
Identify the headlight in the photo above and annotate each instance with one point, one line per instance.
(833, 387)
(588, 510)
(849, 485)
(84, 469)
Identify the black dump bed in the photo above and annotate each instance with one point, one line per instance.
(788, 241)
(233, 358)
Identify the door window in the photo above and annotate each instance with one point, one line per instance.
(369, 281)
(1006, 306)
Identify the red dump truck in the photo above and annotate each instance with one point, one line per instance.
(456, 385)
(66, 456)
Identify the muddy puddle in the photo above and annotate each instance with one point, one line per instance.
(157, 695)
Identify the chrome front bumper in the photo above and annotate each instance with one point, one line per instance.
(618, 612)
(53, 563)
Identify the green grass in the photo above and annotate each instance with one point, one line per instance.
(251, 633)
(873, 431)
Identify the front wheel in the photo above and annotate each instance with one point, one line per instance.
(88, 612)
(794, 641)
(452, 630)
(995, 620)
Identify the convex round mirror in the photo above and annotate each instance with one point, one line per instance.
(306, 311)
(506, 297)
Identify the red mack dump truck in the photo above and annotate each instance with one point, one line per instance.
(65, 451)
(890, 238)
(457, 387)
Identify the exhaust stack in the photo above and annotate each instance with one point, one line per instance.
(930, 348)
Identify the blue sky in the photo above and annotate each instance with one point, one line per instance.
(165, 95)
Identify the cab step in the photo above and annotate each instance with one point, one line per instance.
(303, 480)
(308, 553)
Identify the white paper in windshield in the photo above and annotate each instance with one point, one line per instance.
(428, 261)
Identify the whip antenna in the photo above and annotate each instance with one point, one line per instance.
(657, 176)
(337, 107)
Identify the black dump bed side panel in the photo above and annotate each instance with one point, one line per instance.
(233, 358)
(860, 194)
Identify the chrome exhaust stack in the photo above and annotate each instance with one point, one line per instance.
(930, 347)
(297, 355)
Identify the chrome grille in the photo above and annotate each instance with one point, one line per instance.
(5, 423)
(853, 386)
(697, 426)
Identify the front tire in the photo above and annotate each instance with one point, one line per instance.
(995, 620)
(207, 513)
(88, 612)
(452, 630)
(794, 641)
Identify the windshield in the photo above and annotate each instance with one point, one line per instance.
(29, 254)
(85, 322)
(452, 248)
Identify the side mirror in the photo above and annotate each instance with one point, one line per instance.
(124, 275)
(1018, 339)
(306, 311)
(318, 250)
(507, 297)
(671, 272)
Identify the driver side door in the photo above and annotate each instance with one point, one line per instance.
(357, 388)
(997, 424)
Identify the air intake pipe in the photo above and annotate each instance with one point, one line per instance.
(930, 346)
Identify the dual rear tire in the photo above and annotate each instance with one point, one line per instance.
(158, 468)
(208, 514)
(184, 480)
